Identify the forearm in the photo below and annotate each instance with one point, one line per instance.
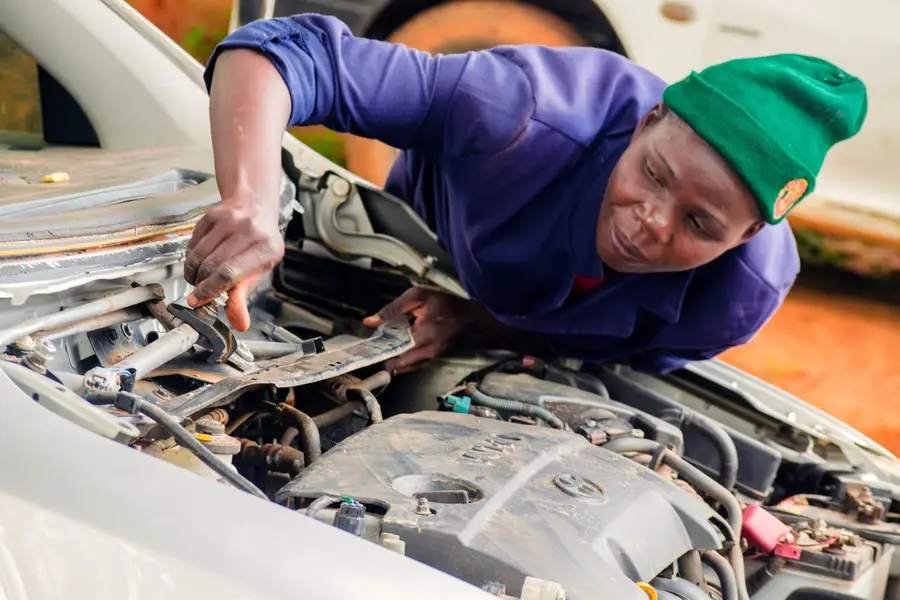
(488, 332)
(249, 110)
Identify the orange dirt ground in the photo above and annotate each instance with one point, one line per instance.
(836, 352)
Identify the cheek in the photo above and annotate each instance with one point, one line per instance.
(690, 252)
(625, 185)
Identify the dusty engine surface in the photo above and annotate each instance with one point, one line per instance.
(492, 501)
(530, 478)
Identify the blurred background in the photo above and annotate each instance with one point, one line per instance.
(835, 341)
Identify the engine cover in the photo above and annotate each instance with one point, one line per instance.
(506, 501)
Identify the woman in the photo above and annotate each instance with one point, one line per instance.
(591, 210)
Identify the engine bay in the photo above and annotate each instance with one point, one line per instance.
(526, 478)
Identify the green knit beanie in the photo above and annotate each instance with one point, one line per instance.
(773, 119)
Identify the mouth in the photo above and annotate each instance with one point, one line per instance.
(627, 251)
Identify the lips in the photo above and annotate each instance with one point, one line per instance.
(627, 251)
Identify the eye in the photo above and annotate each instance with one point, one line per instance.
(651, 174)
(695, 224)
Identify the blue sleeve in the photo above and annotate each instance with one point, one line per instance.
(662, 362)
(690, 340)
(400, 96)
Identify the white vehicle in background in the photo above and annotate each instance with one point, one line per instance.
(852, 222)
(149, 451)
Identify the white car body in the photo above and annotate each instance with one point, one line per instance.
(83, 517)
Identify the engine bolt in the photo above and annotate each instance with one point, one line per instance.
(423, 509)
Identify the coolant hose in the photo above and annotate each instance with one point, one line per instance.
(724, 572)
(309, 432)
(715, 433)
(704, 483)
(532, 410)
(137, 404)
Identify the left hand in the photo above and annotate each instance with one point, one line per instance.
(440, 320)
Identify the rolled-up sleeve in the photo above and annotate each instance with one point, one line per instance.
(389, 92)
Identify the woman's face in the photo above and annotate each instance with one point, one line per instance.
(672, 203)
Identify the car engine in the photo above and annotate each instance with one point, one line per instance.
(530, 479)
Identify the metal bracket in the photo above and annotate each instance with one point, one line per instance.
(332, 201)
(389, 340)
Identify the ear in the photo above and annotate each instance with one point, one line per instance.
(753, 230)
(651, 118)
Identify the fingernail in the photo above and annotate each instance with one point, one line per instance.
(192, 300)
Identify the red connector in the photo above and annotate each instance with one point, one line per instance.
(764, 531)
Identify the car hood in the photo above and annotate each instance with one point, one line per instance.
(107, 532)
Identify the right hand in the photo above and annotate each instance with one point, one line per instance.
(232, 247)
(441, 320)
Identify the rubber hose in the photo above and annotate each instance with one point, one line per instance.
(309, 432)
(679, 587)
(623, 445)
(690, 568)
(290, 434)
(186, 440)
(531, 410)
(371, 401)
(727, 580)
(703, 483)
(332, 416)
(320, 503)
(716, 434)
(732, 509)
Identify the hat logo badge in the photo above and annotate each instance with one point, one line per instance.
(788, 196)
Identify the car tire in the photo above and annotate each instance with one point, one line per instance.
(457, 27)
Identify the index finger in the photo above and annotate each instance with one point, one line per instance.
(252, 261)
(408, 301)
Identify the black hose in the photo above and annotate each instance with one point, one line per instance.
(135, 403)
(690, 568)
(290, 434)
(715, 433)
(680, 588)
(309, 432)
(624, 445)
(727, 581)
(703, 483)
(320, 503)
(371, 401)
(332, 416)
(733, 512)
(531, 410)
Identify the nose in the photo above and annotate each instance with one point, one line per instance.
(657, 220)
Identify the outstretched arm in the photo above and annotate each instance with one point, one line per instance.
(307, 70)
(239, 238)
